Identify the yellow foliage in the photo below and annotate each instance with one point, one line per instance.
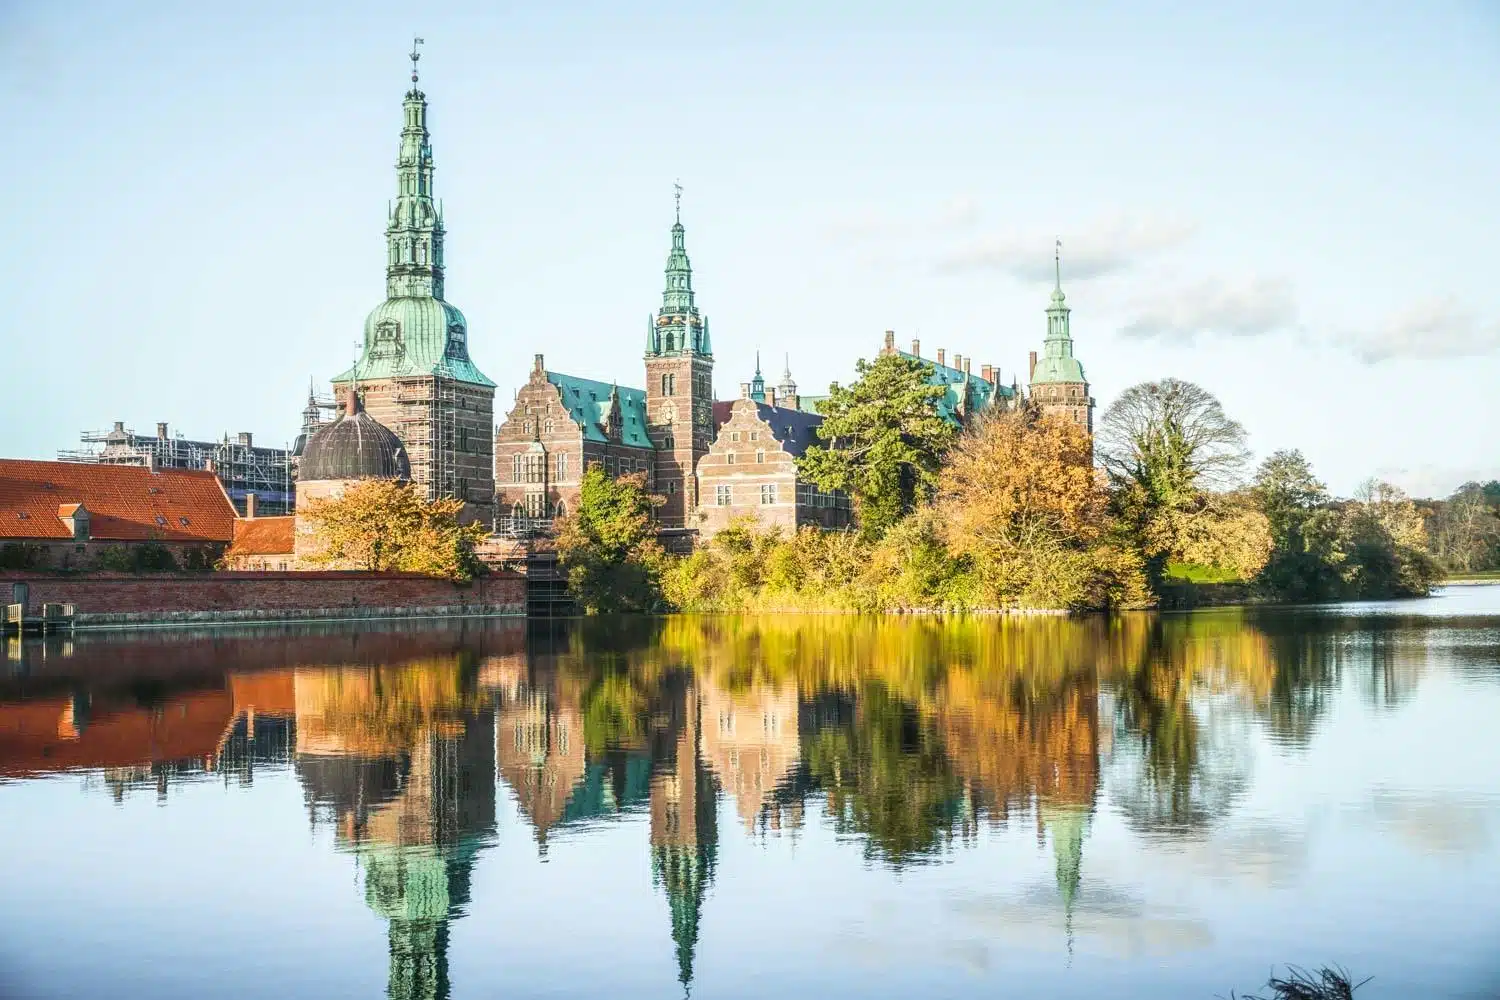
(381, 526)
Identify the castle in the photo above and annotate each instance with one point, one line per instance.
(709, 460)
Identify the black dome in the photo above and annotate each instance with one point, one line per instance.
(356, 446)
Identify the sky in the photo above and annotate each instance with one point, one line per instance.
(1294, 205)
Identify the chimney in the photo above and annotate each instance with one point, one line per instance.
(987, 373)
(161, 430)
(208, 465)
(967, 363)
(942, 356)
(958, 361)
(151, 460)
(771, 395)
(250, 505)
(244, 438)
(744, 390)
(916, 348)
(536, 364)
(119, 427)
(351, 401)
(1032, 373)
(890, 342)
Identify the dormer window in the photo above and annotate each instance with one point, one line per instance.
(182, 521)
(161, 521)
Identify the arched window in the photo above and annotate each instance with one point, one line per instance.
(561, 510)
(668, 384)
(668, 443)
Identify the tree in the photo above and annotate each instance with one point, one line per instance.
(380, 525)
(1384, 542)
(1301, 566)
(607, 546)
(882, 440)
(1164, 444)
(1019, 497)
(1465, 532)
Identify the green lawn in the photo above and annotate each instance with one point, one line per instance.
(1200, 573)
(1493, 574)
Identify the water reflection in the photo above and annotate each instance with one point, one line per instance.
(910, 738)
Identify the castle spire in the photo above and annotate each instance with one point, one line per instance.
(1059, 342)
(678, 328)
(414, 229)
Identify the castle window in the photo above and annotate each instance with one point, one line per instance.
(515, 468)
(547, 427)
(755, 435)
(609, 466)
(768, 493)
(562, 465)
(734, 436)
(668, 443)
(729, 458)
(561, 510)
(672, 487)
(760, 458)
(668, 384)
(723, 495)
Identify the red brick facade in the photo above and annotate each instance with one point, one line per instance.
(541, 452)
(751, 469)
(679, 407)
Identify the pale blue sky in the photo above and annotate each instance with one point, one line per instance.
(1293, 204)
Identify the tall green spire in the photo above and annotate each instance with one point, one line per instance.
(678, 329)
(758, 383)
(414, 231)
(1057, 363)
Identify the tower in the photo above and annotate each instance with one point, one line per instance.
(679, 385)
(1058, 384)
(414, 373)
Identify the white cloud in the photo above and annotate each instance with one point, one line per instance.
(1108, 246)
(1248, 308)
(1436, 328)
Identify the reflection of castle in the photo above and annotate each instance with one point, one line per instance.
(405, 769)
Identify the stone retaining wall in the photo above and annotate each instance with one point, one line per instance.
(107, 599)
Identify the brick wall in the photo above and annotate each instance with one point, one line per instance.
(229, 597)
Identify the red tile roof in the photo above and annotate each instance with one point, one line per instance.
(263, 536)
(123, 501)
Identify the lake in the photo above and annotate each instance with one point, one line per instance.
(1140, 806)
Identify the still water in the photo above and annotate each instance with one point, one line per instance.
(1145, 806)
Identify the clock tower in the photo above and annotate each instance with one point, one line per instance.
(679, 387)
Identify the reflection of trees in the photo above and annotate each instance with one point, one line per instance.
(886, 776)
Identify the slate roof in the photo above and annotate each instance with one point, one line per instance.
(263, 536)
(586, 401)
(355, 446)
(125, 502)
(796, 430)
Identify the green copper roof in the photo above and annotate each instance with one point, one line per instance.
(809, 404)
(414, 332)
(409, 337)
(981, 393)
(589, 403)
(1057, 363)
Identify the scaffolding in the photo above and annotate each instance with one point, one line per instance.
(242, 466)
(427, 423)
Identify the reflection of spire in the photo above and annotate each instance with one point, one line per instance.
(1068, 824)
(685, 837)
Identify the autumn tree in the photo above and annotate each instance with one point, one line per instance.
(1021, 500)
(380, 525)
(882, 440)
(1301, 566)
(1465, 530)
(607, 546)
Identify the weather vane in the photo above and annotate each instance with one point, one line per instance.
(1057, 261)
(415, 55)
(677, 196)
